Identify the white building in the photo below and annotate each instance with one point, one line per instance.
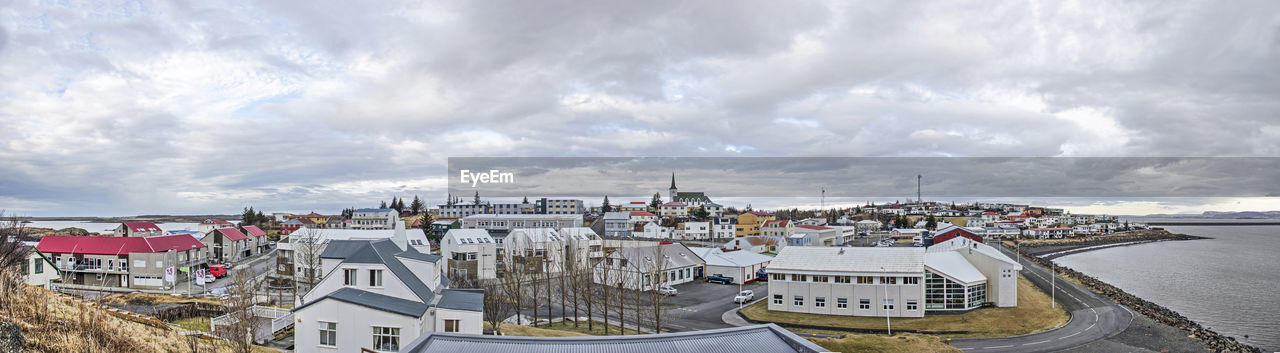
(653, 230)
(644, 268)
(1046, 233)
(617, 224)
(138, 229)
(643, 217)
(673, 209)
(821, 236)
(757, 244)
(868, 225)
(470, 253)
(694, 231)
(848, 281)
(379, 295)
(297, 249)
(907, 232)
(986, 275)
(496, 222)
(211, 224)
(778, 228)
(374, 218)
(38, 270)
(741, 265)
(713, 209)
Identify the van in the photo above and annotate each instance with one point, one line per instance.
(218, 270)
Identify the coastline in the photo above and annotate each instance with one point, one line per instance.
(1213, 340)
(1053, 248)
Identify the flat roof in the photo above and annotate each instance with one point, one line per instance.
(850, 259)
(758, 338)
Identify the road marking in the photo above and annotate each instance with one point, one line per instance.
(1071, 335)
(1090, 326)
(995, 347)
(1028, 344)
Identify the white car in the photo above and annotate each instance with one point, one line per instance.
(209, 278)
(666, 290)
(744, 297)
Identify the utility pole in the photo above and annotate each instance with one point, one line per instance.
(1053, 285)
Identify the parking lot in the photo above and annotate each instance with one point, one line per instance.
(699, 304)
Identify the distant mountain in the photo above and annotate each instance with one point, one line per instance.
(1223, 215)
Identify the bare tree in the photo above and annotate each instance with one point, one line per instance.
(242, 297)
(496, 305)
(308, 244)
(661, 264)
(13, 258)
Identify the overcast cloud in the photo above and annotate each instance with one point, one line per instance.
(118, 108)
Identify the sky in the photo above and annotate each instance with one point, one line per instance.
(140, 107)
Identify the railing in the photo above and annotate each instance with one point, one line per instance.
(280, 318)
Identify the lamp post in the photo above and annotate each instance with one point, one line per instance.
(1053, 285)
(883, 303)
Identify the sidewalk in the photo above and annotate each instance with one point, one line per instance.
(731, 317)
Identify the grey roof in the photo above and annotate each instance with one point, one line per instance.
(384, 251)
(759, 338)
(462, 299)
(642, 257)
(853, 259)
(341, 249)
(374, 301)
(419, 256)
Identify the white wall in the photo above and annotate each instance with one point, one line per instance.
(391, 285)
(355, 326)
(853, 292)
(470, 321)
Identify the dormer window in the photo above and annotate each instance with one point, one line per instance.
(375, 278)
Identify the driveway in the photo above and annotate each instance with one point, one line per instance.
(700, 304)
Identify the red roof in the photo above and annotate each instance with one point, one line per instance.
(637, 203)
(214, 221)
(232, 233)
(141, 226)
(254, 231)
(990, 214)
(642, 213)
(806, 226)
(90, 245)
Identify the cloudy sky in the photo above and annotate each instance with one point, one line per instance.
(120, 108)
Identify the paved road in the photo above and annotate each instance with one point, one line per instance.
(700, 305)
(1092, 318)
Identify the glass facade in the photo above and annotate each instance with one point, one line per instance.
(941, 293)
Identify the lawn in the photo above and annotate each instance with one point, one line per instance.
(906, 342)
(560, 329)
(1033, 314)
(194, 323)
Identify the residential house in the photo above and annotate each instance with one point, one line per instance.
(778, 228)
(380, 295)
(694, 230)
(647, 267)
(258, 239)
(1047, 233)
(299, 251)
(801, 239)
(471, 253)
(211, 224)
(868, 225)
(749, 223)
(313, 217)
(652, 230)
(227, 245)
(89, 262)
(617, 224)
(822, 236)
(713, 209)
(673, 209)
(741, 265)
(757, 244)
(38, 270)
(294, 224)
(138, 229)
(634, 206)
(908, 233)
(643, 217)
(374, 218)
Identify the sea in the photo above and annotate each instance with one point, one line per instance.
(1230, 284)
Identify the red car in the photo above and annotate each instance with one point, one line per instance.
(218, 270)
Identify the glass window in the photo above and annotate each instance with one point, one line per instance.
(819, 279)
(348, 276)
(450, 325)
(39, 266)
(912, 305)
(888, 280)
(866, 280)
(820, 302)
(842, 303)
(910, 280)
(777, 299)
(386, 339)
(777, 277)
(799, 300)
(842, 279)
(328, 333)
(888, 304)
(864, 304)
(375, 278)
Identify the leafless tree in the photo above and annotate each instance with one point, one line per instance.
(242, 297)
(496, 305)
(308, 244)
(661, 263)
(13, 255)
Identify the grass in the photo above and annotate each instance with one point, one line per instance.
(904, 241)
(906, 342)
(560, 329)
(195, 323)
(51, 323)
(1033, 314)
(139, 298)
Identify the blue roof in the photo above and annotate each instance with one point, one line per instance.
(462, 299)
(376, 210)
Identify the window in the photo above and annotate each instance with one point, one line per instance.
(777, 299)
(375, 278)
(820, 302)
(842, 279)
(910, 280)
(386, 339)
(39, 265)
(864, 304)
(799, 300)
(865, 280)
(328, 333)
(819, 279)
(799, 278)
(842, 303)
(912, 305)
(888, 280)
(777, 277)
(349, 276)
(450, 325)
(888, 304)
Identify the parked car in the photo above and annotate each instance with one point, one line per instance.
(719, 278)
(210, 278)
(744, 296)
(762, 276)
(666, 290)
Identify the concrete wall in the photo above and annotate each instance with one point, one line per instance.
(853, 292)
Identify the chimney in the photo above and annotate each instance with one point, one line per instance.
(401, 238)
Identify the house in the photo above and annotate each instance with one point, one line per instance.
(975, 222)
(990, 217)
(257, 239)
(812, 222)
(558, 206)
(722, 230)
(438, 228)
(89, 262)
(312, 217)
(138, 229)
(211, 224)
(986, 265)
(1046, 233)
(293, 224)
(801, 239)
(757, 338)
(757, 244)
(470, 253)
(496, 222)
(908, 233)
(300, 250)
(778, 228)
(649, 267)
(868, 225)
(945, 234)
(38, 270)
(694, 230)
(749, 223)
(849, 281)
(617, 224)
(652, 230)
(227, 245)
(673, 209)
(374, 218)
(1001, 231)
(822, 236)
(713, 209)
(280, 217)
(690, 199)
(381, 294)
(633, 206)
(643, 217)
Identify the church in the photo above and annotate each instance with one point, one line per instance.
(689, 199)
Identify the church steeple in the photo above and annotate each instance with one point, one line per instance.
(673, 180)
(672, 194)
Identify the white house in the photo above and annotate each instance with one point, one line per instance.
(211, 224)
(741, 265)
(374, 218)
(381, 295)
(297, 245)
(713, 209)
(673, 209)
(821, 236)
(617, 224)
(695, 230)
(470, 253)
(643, 217)
(778, 228)
(138, 229)
(868, 225)
(907, 232)
(986, 275)
(1044, 233)
(850, 281)
(757, 244)
(38, 270)
(644, 268)
(653, 230)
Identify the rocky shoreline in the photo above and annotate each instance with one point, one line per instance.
(1213, 340)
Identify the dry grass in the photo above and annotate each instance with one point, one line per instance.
(877, 343)
(561, 329)
(201, 324)
(51, 323)
(1033, 314)
(517, 330)
(139, 298)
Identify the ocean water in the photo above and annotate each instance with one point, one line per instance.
(1230, 284)
(106, 227)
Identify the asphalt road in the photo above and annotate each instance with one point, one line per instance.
(700, 305)
(1093, 318)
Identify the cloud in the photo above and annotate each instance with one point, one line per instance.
(161, 107)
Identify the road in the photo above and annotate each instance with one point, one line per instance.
(1093, 318)
(698, 306)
